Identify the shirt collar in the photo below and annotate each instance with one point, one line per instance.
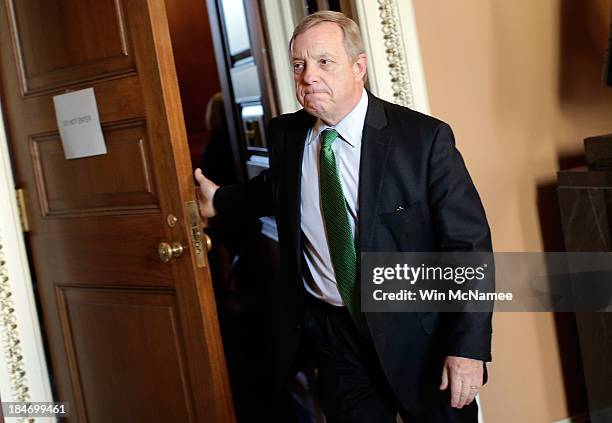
(350, 128)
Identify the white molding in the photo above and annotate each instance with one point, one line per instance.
(480, 416)
(280, 21)
(392, 46)
(374, 53)
(19, 323)
(416, 72)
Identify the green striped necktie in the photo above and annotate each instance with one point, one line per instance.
(338, 228)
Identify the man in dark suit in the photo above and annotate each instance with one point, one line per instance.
(351, 173)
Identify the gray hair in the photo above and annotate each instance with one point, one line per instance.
(352, 36)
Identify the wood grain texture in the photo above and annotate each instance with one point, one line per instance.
(124, 330)
(89, 41)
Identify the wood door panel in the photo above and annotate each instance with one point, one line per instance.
(129, 341)
(90, 40)
(118, 100)
(116, 182)
(96, 251)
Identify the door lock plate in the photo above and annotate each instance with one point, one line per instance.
(196, 233)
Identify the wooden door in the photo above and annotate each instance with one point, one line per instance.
(131, 339)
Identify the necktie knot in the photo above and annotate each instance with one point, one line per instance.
(328, 136)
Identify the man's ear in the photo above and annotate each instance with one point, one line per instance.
(360, 67)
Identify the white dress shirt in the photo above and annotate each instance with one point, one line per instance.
(347, 149)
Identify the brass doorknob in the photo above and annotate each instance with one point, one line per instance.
(167, 251)
(208, 242)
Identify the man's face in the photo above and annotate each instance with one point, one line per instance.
(328, 84)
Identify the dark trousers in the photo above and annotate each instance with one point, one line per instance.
(351, 384)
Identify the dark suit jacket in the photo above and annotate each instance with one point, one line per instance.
(407, 159)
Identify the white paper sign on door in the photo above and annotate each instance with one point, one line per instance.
(79, 124)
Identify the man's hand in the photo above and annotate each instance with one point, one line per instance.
(465, 378)
(206, 192)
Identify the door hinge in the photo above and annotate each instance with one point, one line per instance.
(23, 211)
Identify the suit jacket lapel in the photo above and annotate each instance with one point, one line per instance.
(374, 151)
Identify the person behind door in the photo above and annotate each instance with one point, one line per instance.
(351, 173)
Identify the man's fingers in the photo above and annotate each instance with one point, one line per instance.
(463, 373)
(471, 396)
(456, 386)
(465, 393)
(199, 176)
(205, 193)
(444, 382)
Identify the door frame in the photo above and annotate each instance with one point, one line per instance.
(19, 310)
